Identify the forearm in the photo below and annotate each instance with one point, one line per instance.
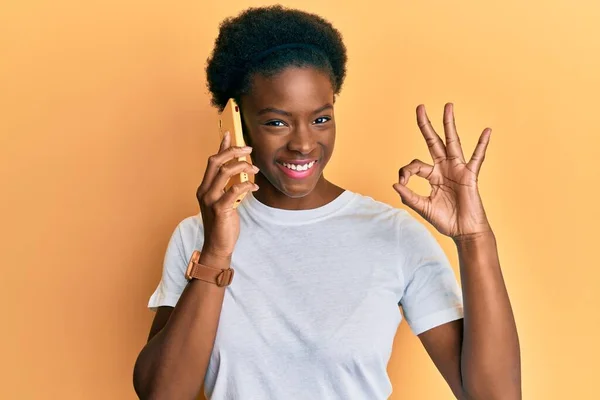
(173, 363)
(490, 359)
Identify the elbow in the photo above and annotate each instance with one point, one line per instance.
(500, 382)
(142, 380)
(144, 389)
(139, 383)
(499, 390)
(502, 395)
(150, 384)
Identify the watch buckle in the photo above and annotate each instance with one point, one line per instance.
(225, 277)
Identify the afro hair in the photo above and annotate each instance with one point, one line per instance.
(266, 40)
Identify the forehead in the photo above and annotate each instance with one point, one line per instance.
(293, 88)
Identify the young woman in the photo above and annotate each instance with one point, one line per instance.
(320, 271)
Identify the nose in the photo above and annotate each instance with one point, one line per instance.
(302, 140)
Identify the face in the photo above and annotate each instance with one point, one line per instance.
(290, 125)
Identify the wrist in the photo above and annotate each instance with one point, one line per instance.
(474, 238)
(476, 245)
(215, 260)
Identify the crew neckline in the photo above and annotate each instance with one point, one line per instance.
(287, 217)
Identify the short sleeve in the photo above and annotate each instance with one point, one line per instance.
(185, 239)
(431, 296)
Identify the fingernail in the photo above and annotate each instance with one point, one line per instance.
(402, 181)
(255, 186)
(255, 168)
(246, 148)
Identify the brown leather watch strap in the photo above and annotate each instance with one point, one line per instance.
(219, 277)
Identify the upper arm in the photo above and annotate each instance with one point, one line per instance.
(432, 300)
(185, 239)
(431, 295)
(160, 320)
(444, 346)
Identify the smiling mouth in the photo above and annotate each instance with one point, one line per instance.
(298, 167)
(297, 171)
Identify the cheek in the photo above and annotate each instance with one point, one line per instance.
(262, 155)
(330, 142)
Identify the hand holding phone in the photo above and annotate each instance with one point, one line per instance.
(230, 121)
(221, 191)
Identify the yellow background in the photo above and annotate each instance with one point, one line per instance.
(106, 127)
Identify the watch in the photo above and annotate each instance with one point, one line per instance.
(195, 270)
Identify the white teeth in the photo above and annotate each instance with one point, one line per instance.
(303, 167)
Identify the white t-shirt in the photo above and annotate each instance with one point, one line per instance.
(313, 308)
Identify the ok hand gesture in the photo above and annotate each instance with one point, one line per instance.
(454, 206)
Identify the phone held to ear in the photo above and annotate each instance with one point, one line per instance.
(230, 120)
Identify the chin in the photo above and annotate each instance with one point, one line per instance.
(298, 191)
(296, 195)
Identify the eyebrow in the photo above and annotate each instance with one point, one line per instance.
(289, 114)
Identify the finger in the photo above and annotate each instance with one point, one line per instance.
(226, 201)
(416, 167)
(217, 160)
(434, 142)
(453, 147)
(225, 173)
(411, 199)
(474, 164)
(226, 142)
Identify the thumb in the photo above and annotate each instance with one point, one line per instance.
(410, 198)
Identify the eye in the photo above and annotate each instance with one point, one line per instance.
(276, 123)
(321, 120)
